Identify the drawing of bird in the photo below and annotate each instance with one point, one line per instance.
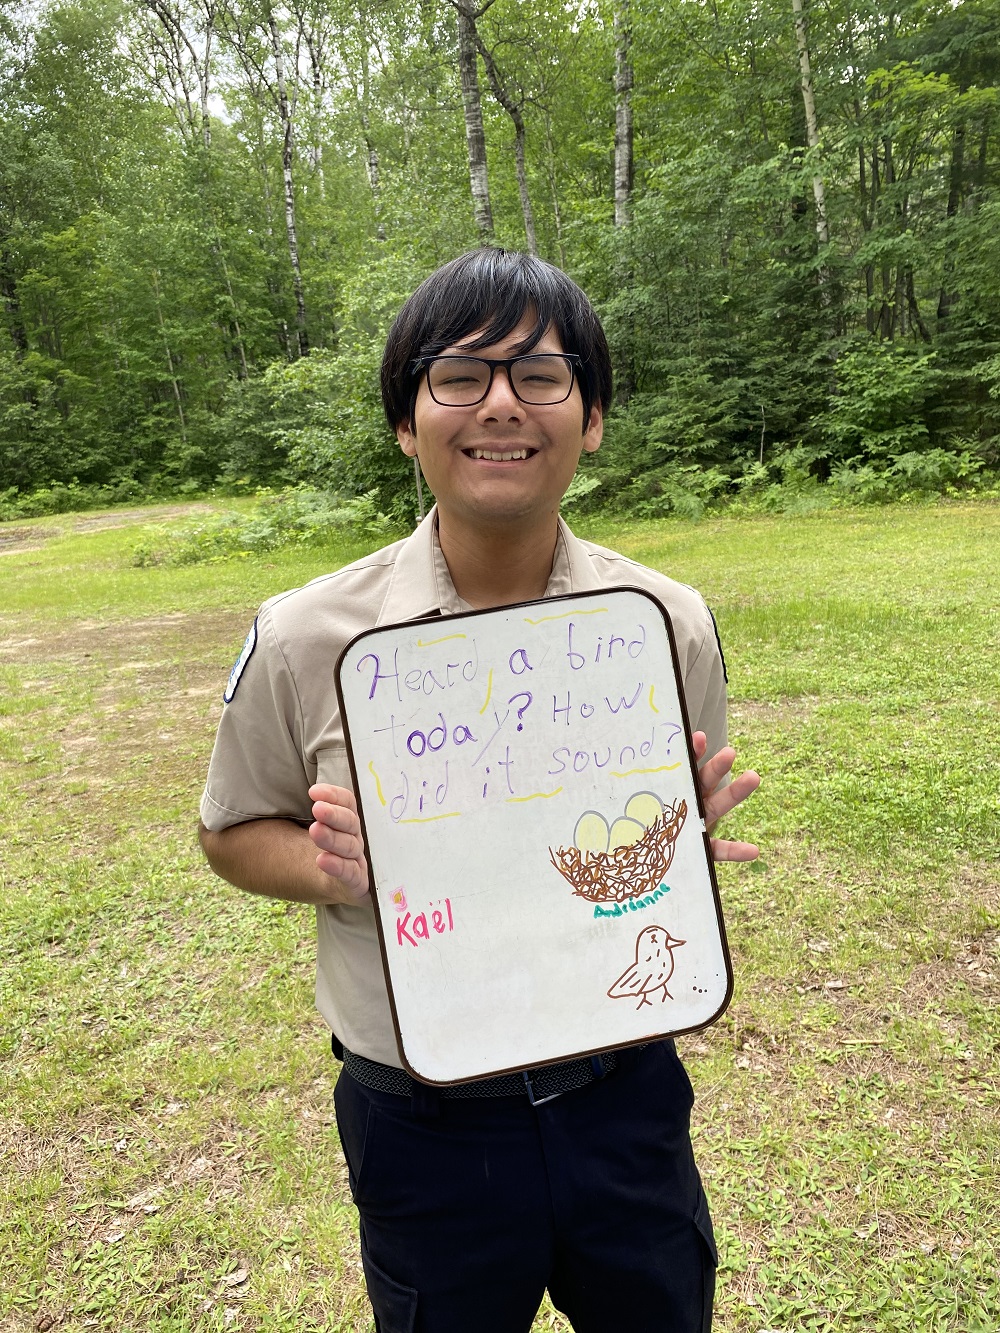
(652, 969)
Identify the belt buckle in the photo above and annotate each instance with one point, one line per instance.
(530, 1088)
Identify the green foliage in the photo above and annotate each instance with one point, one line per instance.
(70, 497)
(148, 304)
(877, 409)
(298, 518)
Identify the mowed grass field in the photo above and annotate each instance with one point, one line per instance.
(169, 1157)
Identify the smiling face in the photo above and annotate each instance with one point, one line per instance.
(500, 461)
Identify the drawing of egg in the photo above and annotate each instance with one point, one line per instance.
(591, 832)
(645, 807)
(624, 832)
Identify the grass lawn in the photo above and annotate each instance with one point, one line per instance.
(169, 1159)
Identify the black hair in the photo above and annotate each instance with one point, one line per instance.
(490, 291)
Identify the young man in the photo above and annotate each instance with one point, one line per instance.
(474, 1199)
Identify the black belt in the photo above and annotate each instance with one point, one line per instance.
(539, 1085)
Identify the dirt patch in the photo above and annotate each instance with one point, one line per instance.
(779, 714)
(17, 539)
(15, 536)
(122, 518)
(115, 643)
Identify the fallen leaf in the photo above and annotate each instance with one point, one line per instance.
(835, 985)
(236, 1279)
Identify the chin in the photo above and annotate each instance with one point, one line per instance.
(504, 509)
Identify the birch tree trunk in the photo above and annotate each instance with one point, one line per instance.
(513, 109)
(371, 151)
(475, 135)
(287, 154)
(178, 396)
(553, 189)
(624, 163)
(812, 128)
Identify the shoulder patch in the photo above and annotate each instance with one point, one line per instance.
(239, 666)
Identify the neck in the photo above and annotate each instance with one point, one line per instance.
(497, 566)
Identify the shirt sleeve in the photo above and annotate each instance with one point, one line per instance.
(705, 689)
(258, 769)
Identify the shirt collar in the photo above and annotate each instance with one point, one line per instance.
(421, 583)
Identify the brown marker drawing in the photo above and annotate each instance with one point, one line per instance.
(652, 969)
(626, 860)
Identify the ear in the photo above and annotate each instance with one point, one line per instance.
(407, 438)
(595, 430)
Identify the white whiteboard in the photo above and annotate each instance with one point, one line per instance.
(499, 757)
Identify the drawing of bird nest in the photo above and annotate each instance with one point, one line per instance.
(627, 859)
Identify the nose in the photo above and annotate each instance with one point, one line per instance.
(501, 403)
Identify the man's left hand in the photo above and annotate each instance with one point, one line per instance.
(720, 800)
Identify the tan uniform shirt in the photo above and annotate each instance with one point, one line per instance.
(281, 730)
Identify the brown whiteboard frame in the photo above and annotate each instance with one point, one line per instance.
(465, 616)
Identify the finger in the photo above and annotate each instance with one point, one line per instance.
(352, 874)
(725, 850)
(336, 817)
(720, 802)
(325, 791)
(348, 845)
(699, 743)
(714, 770)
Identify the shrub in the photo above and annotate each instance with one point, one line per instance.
(301, 517)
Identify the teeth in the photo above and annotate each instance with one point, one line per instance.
(494, 457)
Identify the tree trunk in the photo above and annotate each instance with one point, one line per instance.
(886, 321)
(553, 190)
(513, 110)
(984, 142)
(624, 162)
(812, 128)
(866, 222)
(287, 154)
(475, 134)
(371, 152)
(178, 397)
(915, 316)
(956, 175)
(12, 304)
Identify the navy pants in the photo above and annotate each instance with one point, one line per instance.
(470, 1209)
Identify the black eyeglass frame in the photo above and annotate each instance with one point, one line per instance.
(423, 363)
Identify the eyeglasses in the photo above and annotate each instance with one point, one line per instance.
(540, 380)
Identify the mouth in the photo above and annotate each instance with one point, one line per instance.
(499, 455)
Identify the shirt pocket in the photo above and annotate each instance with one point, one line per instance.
(334, 767)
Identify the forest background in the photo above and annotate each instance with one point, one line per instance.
(787, 215)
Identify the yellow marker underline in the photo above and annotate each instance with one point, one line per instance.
(431, 642)
(596, 612)
(489, 692)
(535, 795)
(651, 704)
(378, 785)
(429, 819)
(665, 768)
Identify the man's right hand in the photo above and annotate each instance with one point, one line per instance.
(337, 833)
(277, 857)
